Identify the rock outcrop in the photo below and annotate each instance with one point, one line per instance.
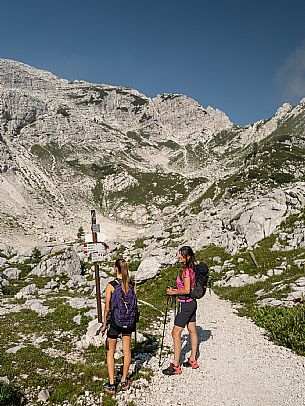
(68, 146)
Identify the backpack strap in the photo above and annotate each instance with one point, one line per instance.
(186, 296)
(116, 282)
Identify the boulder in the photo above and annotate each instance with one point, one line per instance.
(12, 273)
(148, 269)
(238, 280)
(93, 336)
(76, 282)
(14, 349)
(52, 285)
(67, 263)
(3, 262)
(36, 306)
(236, 224)
(81, 302)
(43, 395)
(27, 291)
(217, 260)
(270, 301)
(77, 319)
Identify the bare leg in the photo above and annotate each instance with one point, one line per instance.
(194, 339)
(176, 334)
(110, 358)
(126, 345)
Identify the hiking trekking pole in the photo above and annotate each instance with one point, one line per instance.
(168, 298)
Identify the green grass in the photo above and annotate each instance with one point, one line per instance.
(44, 152)
(154, 188)
(224, 137)
(119, 252)
(169, 144)
(139, 243)
(208, 253)
(197, 155)
(154, 292)
(274, 161)
(286, 326)
(63, 110)
(2, 255)
(133, 265)
(10, 395)
(31, 367)
(133, 135)
(288, 224)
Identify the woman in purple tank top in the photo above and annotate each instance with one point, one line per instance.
(186, 315)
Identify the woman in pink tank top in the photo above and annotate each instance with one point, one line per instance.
(186, 315)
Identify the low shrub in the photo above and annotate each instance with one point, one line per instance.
(282, 177)
(10, 396)
(285, 326)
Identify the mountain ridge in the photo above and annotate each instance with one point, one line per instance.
(69, 146)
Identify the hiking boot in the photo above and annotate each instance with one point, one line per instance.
(191, 364)
(172, 370)
(109, 388)
(124, 385)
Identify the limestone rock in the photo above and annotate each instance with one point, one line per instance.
(12, 273)
(27, 291)
(43, 395)
(37, 306)
(148, 269)
(67, 263)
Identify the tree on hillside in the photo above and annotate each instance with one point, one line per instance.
(36, 255)
(80, 233)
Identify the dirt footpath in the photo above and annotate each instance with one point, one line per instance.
(238, 366)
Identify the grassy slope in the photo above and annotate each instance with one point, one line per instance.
(31, 367)
(285, 326)
(274, 161)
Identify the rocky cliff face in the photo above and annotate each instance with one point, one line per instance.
(66, 147)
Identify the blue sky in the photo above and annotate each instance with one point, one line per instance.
(243, 57)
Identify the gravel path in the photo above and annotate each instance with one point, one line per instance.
(238, 366)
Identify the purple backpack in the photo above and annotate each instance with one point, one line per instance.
(124, 308)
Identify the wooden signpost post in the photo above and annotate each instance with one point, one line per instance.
(95, 247)
(94, 228)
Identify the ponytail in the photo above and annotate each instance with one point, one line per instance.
(121, 264)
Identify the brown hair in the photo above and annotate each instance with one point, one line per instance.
(189, 256)
(121, 264)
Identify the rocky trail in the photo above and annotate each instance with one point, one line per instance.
(238, 366)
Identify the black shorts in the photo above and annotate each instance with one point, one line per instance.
(186, 313)
(114, 331)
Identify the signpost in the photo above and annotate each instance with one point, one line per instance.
(96, 248)
(94, 229)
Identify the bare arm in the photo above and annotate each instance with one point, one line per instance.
(185, 291)
(109, 290)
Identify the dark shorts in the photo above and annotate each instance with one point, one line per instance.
(186, 313)
(114, 331)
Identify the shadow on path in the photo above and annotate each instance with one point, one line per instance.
(203, 335)
(141, 352)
